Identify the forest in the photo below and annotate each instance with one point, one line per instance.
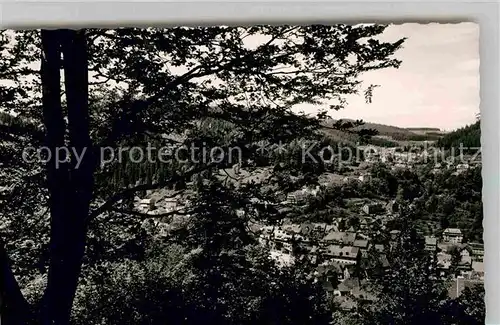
(469, 136)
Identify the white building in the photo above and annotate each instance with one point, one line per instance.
(147, 204)
(170, 204)
(453, 235)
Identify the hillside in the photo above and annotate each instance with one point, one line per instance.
(468, 136)
(387, 135)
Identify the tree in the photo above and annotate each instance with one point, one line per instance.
(469, 137)
(69, 196)
(138, 95)
(468, 308)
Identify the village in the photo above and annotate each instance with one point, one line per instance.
(338, 255)
(338, 251)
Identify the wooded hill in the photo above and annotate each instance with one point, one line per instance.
(468, 136)
(383, 135)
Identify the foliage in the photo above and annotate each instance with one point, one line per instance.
(469, 137)
(468, 308)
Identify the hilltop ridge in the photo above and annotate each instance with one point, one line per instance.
(387, 135)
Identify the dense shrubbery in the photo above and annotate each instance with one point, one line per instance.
(208, 277)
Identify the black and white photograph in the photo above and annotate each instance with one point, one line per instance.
(242, 174)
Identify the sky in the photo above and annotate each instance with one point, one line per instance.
(437, 84)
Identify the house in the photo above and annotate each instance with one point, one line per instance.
(338, 237)
(465, 255)
(282, 247)
(302, 241)
(343, 254)
(365, 223)
(430, 244)
(346, 287)
(330, 272)
(319, 230)
(351, 230)
(394, 234)
(361, 244)
(147, 204)
(170, 204)
(464, 269)
(477, 251)
(464, 266)
(163, 229)
(280, 237)
(297, 197)
(333, 272)
(292, 229)
(319, 227)
(443, 263)
(330, 228)
(366, 209)
(266, 234)
(372, 208)
(453, 235)
(379, 222)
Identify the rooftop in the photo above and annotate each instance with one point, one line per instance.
(478, 246)
(361, 243)
(342, 251)
(344, 237)
(454, 231)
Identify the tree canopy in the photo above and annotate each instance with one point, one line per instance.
(64, 220)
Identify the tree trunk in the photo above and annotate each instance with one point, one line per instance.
(14, 306)
(70, 184)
